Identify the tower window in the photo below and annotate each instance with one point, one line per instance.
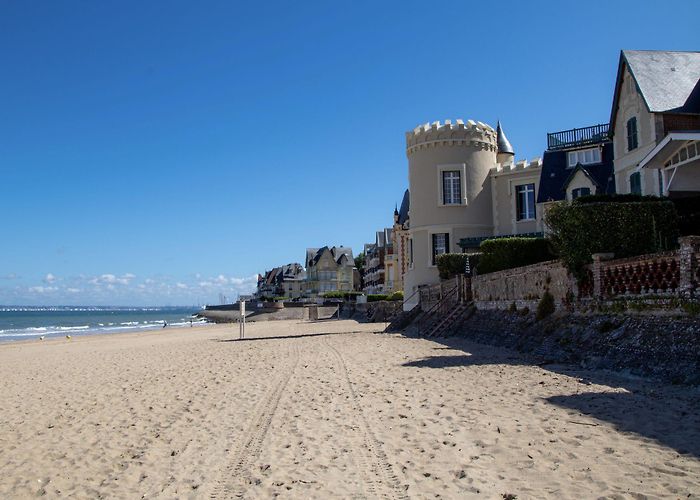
(451, 187)
(441, 245)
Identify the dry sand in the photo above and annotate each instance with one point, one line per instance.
(330, 410)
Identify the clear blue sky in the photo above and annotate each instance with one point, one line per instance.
(164, 152)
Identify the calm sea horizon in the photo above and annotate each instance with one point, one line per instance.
(27, 322)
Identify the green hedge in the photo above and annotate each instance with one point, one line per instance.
(616, 198)
(452, 264)
(581, 229)
(377, 297)
(507, 253)
(688, 210)
(340, 295)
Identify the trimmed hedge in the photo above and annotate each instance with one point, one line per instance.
(452, 264)
(616, 198)
(377, 297)
(340, 295)
(507, 253)
(688, 210)
(580, 229)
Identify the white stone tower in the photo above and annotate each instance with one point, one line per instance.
(449, 184)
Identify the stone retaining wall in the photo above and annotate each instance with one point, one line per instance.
(523, 286)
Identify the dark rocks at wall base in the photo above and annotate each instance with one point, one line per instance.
(663, 347)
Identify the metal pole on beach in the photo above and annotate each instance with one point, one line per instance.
(241, 321)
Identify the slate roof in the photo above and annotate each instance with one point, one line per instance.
(667, 80)
(503, 142)
(555, 175)
(314, 254)
(403, 211)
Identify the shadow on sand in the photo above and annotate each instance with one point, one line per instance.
(667, 414)
(284, 337)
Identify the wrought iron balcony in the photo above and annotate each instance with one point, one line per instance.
(578, 137)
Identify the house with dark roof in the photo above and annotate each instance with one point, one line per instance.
(378, 276)
(655, 123)
(328, 269)
(283, 281)
(577, 162)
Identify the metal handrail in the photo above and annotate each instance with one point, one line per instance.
(445, 295)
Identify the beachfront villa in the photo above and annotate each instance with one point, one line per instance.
(655, 123)
(577, 162)
(380, 266)
(464, 187)
(328, 269)
(284, 281)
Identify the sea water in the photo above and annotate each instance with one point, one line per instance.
(23, 323)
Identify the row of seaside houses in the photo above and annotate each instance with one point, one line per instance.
(466, 186)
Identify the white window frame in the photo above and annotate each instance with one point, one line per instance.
(430, 243)
(462, 168)
(588, 156)
(453, 180)
(578, 190)
(528, 216)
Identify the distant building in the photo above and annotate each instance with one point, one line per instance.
(328, 270)
(284, 281)
(379, 263)
(400, 242)
(655, 123)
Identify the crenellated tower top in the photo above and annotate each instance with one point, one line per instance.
(475, 134)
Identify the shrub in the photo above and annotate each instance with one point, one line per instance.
(398, 295)
(507, 253)
(616, 198)
(376, 297)
(688, 210)
(545, 306)
(580, 229)
(341, 295)
(452, 264)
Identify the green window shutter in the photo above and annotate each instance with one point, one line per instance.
(632, 141)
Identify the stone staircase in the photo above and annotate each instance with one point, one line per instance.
(444, 325)
(403, 319)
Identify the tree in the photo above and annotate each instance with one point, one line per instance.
(360, 262)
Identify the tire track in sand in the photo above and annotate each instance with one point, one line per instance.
(234, 478)
(381, 481)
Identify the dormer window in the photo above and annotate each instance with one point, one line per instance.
(584, 157)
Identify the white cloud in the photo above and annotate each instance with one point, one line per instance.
(181, 286)
(11, 276)
(73, 290)
(42, 289)
(50, 278)
(111, 279)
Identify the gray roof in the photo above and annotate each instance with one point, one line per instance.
(380, 239)
(666, 79)
(403, 211)
(503, 143)
(313, 254)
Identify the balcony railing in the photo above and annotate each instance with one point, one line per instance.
(578, 137)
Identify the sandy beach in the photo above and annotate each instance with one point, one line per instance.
(331, 410)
